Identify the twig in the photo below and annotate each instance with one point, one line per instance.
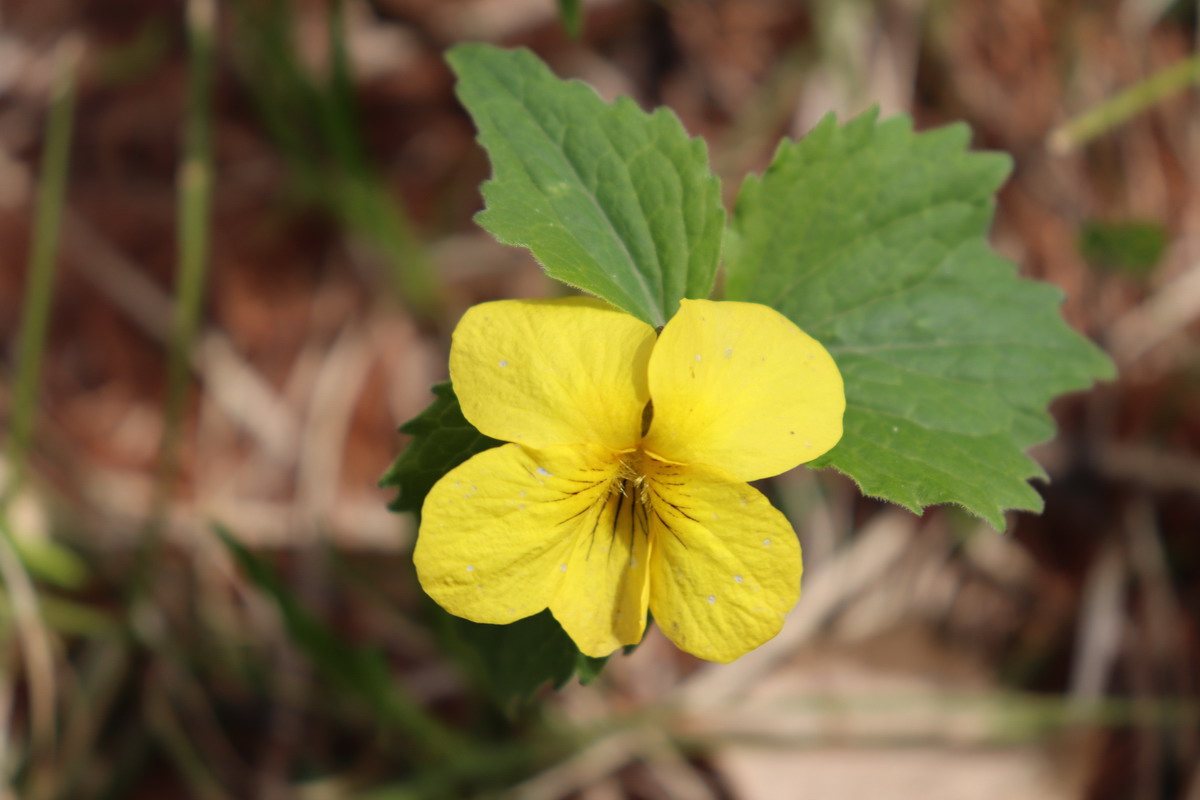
(672, 771)
(36, 649)
(230, 382)
(845, 575)
(590, 764)
(1162, 615)
(334, 395)
(1102, 621)
(1171, 309)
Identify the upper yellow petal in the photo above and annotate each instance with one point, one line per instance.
(601, 603)
(498, 531)
(549, 372)
(740, 387)
(724, 564)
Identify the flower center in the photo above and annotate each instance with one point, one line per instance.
(631, 476)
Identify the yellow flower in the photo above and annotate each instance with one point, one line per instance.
(624, 487)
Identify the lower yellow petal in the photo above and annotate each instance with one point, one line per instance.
(497, 530)
(724, 564)
(601, 603)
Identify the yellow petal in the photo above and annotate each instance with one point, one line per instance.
(496, 530)
(740, 387)
(724, 564)
(601, 603)
(548, 372)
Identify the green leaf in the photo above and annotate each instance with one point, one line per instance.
(442, 439)
(873, 240)
(609, 199)
(52, 562)
(515, 660)
(1134, 248)
(588, 668)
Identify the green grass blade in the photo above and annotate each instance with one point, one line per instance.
(357, 671)
(194, 211)
(1124, 106)
(314, 121)
(43, 259)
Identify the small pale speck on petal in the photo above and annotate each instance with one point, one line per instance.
(503, 363)
(544, 471)
(712, 598)
(521, 507)
(737, 578)
(729, 352)
(766, 542)
(744, 501)
(470, 567)
(714, 515)
(521, 493)
(697, 356)
(633, 561)
(562, 567)
(808, 444)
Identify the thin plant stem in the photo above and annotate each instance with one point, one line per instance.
(36, 649)
(1129, 103)
(43, 261)
(194, 190)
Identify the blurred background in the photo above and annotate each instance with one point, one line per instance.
(169, 378)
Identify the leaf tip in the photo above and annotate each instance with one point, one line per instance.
(460, 55)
